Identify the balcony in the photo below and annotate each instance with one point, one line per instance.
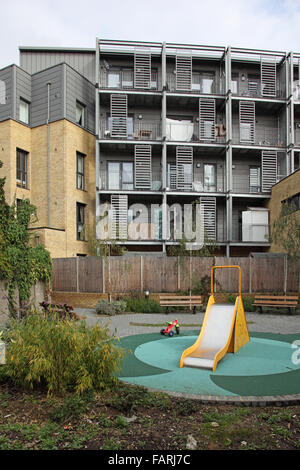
(188, 131)
(253, 89)
(123, 79)
(120, 129)
(118, 176)
(206, 85)
(261, 135)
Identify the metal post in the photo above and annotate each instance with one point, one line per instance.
(142, 273)
(228, 149)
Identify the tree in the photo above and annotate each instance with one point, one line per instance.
(20, 264)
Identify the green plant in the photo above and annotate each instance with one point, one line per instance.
(62, 355)
(72, 408)
(21, 265)
(142, 305)
(105, 307)
(247, 301)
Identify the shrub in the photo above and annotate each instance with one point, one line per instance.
(141, 305)
(247, 301)
(62, 355)
(105, 307)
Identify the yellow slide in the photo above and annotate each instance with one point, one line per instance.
(224, 330)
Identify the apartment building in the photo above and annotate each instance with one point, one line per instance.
(47, 146)
(140, 130)
(184, 123)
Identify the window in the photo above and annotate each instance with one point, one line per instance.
(234, 83)
(203, 82)
(120, 175)
(207, 82)
(80, 217)
(196, 82)
(80, 114)
(24, 111)
(80, 183)
(22, 164)
(2, 92)
(209, 177)
(253, 84)
(254, 175)
(114, 79)
(293, 203)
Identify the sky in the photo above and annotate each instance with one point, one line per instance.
(259, 24)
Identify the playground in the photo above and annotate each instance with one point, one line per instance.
(221, 361)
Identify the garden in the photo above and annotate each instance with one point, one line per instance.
(59, 385)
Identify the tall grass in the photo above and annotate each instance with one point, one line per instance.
(62, 355)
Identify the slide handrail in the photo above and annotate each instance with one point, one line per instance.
(223, 267)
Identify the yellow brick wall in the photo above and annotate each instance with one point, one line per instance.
(286, 188)
(65, 139)
(12, 136)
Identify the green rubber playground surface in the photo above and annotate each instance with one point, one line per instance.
(267, 366)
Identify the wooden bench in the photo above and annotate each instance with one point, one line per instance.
(278, 301)
(191, 301)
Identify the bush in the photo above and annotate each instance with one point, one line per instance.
(141, 305)
(105, 307)
(247, 301)
(62, 355)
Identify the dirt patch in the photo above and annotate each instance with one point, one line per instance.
(132, 418)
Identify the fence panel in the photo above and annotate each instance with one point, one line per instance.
(122, 274)
(268, 274)
(227, 280)
(160, 273)
(171, 274)
(64, 277)
(293, 276)
(90, 274)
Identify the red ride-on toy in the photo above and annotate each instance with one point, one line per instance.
(168, 330)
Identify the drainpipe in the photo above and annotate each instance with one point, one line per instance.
(48, 153)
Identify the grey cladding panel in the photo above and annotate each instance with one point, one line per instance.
(23, 88)
(35, 61)
(80, 89)
(6, 86)
(39, 105)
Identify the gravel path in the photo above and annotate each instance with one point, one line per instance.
(123, 325)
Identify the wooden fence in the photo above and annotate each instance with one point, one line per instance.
(171, 274)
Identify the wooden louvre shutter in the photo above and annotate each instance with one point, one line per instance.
(268, 76)
(183, 70)
(142, 167)
(118, 114)
(184, 168)
(142, 68)
(247, 121)
(209, 205)
(207, 119)
(269, 169)
(119, 203)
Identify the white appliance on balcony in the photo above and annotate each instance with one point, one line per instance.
(255, 224)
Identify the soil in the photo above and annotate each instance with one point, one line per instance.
(131, 418)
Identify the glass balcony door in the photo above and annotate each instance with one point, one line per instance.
(210, 177)
(120, 175)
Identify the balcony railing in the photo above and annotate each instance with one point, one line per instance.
(253, 89)
(205, 86)
(124, 80)
(262, 135)
(187, 131)
(137, 130)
